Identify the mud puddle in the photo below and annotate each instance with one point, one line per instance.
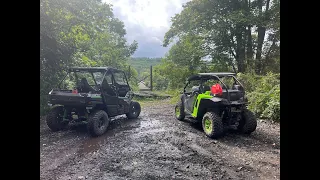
(118, 125)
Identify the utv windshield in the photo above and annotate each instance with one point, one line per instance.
(74, 80)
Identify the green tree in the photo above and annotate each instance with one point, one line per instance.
(227, 30)
(142, 64)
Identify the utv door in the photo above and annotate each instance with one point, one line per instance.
(122, 88)
(190, 96)
(110, 95)
(190, 99)
(121, 83)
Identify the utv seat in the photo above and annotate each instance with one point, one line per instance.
(206, 88)
(84, 86)
(123, 92)
(107, 88)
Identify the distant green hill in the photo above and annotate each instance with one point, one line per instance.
(143, 64)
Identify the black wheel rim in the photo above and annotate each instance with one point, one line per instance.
(59, 117)
(134, 110)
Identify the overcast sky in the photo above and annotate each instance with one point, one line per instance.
(146, 21)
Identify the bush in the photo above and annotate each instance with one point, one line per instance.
(249, 81)
(264, 94)
(272, 111)
(175, 95)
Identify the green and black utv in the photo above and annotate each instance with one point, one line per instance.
(217, 111)
(93, 95)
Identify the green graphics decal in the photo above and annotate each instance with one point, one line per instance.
(205, 95)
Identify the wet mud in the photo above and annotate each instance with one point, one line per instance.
(157, 146)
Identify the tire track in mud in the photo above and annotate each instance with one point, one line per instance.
(156, 146)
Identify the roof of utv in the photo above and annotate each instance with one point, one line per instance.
(93, 69)
(209, 75)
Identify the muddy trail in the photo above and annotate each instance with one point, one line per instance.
(156, 146)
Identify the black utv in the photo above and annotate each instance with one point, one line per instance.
(218, 101)
(93, 95)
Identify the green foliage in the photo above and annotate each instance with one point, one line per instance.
(224, 30)
(142, 64)
(272, 111)
(134, 86)
(183, 60)
(249, 81)
(176, 94)
(159, 82)
(263, 93)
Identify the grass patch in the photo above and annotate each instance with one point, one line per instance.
(175, 95)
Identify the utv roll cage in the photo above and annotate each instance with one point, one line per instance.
(203, 77)
(104, 70)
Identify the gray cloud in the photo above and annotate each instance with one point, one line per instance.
(143, 26)
(149, 40)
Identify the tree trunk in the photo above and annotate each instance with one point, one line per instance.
(249, 50)
(267, 59)
(240, 54)
(240, 50)
(230, 60)
(234, 68)
(249, 46)
(261, 35)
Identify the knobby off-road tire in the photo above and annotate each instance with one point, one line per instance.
(212, 125)
(54, 119)
(134, 110)
(98, 123)
(248, 122)
(179, 111)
